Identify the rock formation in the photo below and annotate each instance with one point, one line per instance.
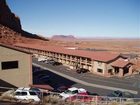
(10, 27)
(7, 18)
(63, 37)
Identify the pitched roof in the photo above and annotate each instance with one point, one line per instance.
(47, 87)
(94, 55)
(14, 48)
(120, 63)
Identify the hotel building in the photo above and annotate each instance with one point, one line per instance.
(97, 62)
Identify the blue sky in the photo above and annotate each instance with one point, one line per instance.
(81, 18)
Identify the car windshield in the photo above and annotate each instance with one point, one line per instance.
(67, 91)
(71, 92)
(116, 93)
(35, 89)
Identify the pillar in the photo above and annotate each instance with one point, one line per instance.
(120, 74)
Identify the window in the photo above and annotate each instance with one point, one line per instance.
(32, 93)
(75, 91)
(23, 93)
(9, 65)
(18, 93)
(100, 70)
(110, 71)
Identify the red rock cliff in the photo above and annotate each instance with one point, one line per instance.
(7, 18)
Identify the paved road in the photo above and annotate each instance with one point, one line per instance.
(124, 83)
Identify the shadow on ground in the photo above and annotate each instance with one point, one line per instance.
(50, 78)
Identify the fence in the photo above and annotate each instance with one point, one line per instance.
(55, 99)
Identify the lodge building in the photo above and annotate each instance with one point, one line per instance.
(15, 67)
(101, 63)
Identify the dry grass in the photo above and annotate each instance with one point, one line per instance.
(8, 95)
(56, 100)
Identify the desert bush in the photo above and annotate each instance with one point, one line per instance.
(8, 95)
(53, 99)
(56, 100)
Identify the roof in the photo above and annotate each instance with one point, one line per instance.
(23, 88)
(82, 90)
(46, 87)
(94, 55)
(120, 63)
(14, 48)
(73, 88)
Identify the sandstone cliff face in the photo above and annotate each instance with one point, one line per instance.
(10, 28)
(7, 18)
(9, 36)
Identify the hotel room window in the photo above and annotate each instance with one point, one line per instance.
(100, 70)
(9, 65)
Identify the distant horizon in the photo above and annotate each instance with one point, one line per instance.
(81, 18)
(97, 37)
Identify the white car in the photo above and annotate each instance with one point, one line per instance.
(27, 94)
(71, 92)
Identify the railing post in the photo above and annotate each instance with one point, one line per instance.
(42, 97)
(96, 100)
(120, 101)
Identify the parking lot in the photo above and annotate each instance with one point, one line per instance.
(130, 83)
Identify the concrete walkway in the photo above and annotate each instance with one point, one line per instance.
(84, 82)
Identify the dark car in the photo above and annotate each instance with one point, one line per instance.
(116, 95)
(56, 63)
(50, 61)
(121, 94)
(82, 70)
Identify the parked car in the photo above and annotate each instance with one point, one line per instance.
(27, 94)
(49, 61)
(42, 59)
(71, 92)
(56, 63)
(82, 70)
(121, 94)
(116, 95)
